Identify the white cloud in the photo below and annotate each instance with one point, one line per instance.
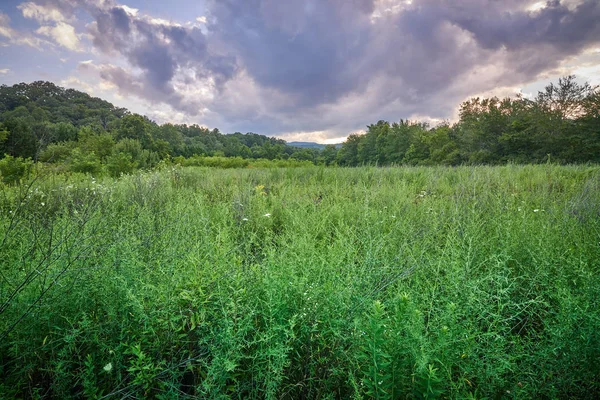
(161, 21)
(590, 74)
(41, 13)
(201, 19)
(4, 71)
(324, 137)
(63, 34)
(18, 38)
(537, 6)
(76, 83)
(388, 7)
(131, 11)
(5, 29)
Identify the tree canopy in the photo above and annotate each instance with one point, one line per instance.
(47, 123)
(561, 124)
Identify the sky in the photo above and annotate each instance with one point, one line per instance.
(311, 70)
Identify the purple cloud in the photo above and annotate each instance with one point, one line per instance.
(286, 65)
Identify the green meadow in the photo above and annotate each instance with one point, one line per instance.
(310, 282)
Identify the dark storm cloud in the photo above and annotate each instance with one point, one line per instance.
(302, 48)
(318, 52)
(112, 29)
(353, 60)
(159, 49)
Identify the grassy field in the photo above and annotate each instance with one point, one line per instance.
(470, 282)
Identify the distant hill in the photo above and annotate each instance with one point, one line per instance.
(307, 145)
(311, 145)
(43, 121)
(46, 102)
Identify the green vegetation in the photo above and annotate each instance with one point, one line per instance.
(79, 133)
(561, 124)
(46, 123)
(419, 282)
(172, 261)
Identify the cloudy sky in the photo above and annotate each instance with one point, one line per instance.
(298, 69)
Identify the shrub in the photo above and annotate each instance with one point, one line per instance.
(57, 152)
(13, 169)
(86, 163)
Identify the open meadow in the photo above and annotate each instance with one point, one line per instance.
(312, 282)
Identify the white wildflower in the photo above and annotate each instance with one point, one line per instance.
(108, 367)
(43, 204)
(536, 210)
(244, 219)
(267, 215)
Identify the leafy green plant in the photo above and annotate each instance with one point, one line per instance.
(14, 169)
(185, 281)
(376, 360)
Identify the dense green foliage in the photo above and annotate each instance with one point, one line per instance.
(421, 282)
(561, 124)
(84, 134)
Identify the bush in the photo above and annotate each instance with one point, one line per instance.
(13, 169)
(56, 152)
(119, 164)
(86, 163)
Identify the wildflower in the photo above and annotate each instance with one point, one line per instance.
(43, 204)
(244, 219)
(108, 367)
(267, 215)
(393, 216)
(260, 189)
(536, 210)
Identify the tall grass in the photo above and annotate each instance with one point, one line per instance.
(303, 283)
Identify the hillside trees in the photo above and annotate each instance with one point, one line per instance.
(562, 123)
(51, 124)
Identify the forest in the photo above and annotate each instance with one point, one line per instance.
(49, 124)
(562, 125)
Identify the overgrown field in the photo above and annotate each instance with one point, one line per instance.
(303, 283)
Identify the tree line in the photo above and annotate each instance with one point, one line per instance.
(561, 124)
(46, 123)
